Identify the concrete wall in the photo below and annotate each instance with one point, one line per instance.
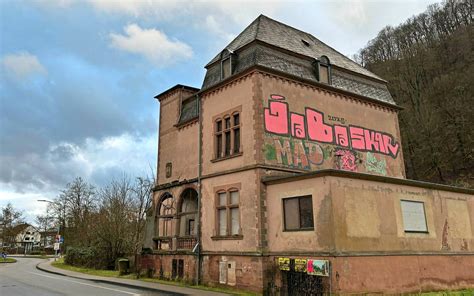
(358, 226)
(300, 143)
(366, 217)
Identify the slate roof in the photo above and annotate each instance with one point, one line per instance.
(271, 44)
(281, 35)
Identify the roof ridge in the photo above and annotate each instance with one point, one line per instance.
(258, 25)
(321, 42)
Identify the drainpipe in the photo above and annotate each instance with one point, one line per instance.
(198, 228)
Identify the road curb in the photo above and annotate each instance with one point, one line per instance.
(127, 285)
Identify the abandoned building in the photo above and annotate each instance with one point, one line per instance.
(284, 172)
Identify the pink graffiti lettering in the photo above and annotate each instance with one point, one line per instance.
(277, 97)
(370, 142)
(317, 129)
(276, 118)
(342, 138)
(297, 126)
(347, 160)
(391, 147)
(357, 138)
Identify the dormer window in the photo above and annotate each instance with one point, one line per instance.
(189, 110)
(227, 61)
(323, 70)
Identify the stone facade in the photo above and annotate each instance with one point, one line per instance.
(218, 209)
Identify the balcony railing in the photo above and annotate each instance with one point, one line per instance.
(164, 243)
(186, 242)
(175, 243)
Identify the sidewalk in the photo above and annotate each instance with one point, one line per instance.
(136, 284)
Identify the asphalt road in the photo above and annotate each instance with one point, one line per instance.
(22, 278)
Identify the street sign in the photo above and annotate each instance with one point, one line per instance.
(61, 240)
(56, 246)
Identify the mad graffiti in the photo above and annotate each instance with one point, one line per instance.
(280, 121)
(306, 155)
(294, 153)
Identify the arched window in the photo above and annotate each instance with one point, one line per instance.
(323, 69)
(165, 213)
(188, 212)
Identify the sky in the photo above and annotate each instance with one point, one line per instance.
(78, 77)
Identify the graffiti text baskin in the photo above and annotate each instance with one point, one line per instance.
(311, 126)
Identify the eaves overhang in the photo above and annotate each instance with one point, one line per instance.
(368, 177)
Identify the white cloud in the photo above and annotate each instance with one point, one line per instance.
(152, 44)
(97, 161)
(22, 65)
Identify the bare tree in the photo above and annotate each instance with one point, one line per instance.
(9, 218)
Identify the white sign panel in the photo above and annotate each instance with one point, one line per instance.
(56, 246)
(414, 218)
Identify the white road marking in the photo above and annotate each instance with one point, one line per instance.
(95, 286)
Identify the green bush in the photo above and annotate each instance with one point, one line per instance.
(84, 257)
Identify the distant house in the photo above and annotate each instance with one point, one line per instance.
(27, 237)
(22, 238)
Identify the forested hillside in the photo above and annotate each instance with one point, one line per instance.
(428, 62)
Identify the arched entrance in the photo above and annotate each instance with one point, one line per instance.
(187, 227)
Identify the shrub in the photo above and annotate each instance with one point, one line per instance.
(84, 257)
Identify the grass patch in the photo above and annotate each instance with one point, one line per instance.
(8, 260)
(108, 273)
(468, 292)
(112, 273)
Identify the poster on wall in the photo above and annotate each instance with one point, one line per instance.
(317, 267)
(300, 265)
(284, 263)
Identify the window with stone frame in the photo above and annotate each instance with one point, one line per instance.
(298, 213)
(228, 213)
(227, 135)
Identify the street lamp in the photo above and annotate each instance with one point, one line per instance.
(59, 225)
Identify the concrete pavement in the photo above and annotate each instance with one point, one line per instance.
(23, 279)
(129, 283)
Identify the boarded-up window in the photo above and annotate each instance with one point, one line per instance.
(298, 213)
(226, 68)
(169, 169)
(414, 219)
(323, 74)
(189, 110)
